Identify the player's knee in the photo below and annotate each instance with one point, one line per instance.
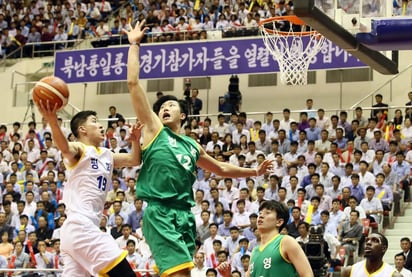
(122, 269)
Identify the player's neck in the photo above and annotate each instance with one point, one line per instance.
(267, 235)
(174, 128)
(373, 265)
(87, 141)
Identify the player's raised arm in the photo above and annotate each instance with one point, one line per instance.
(139, 98)
(70, 151)
(228, 170)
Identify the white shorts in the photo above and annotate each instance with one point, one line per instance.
(86, 250)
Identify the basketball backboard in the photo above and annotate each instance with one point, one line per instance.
(362, 27)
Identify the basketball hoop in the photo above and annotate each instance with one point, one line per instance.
(293, 45)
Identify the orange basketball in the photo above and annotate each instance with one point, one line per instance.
(53, 89)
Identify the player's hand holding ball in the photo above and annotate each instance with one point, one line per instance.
(52, 93)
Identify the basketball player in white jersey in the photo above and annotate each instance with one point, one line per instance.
(85, 249)
(376, 245)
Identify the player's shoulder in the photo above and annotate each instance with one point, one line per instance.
(76, 145)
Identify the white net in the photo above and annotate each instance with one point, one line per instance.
(292, 50)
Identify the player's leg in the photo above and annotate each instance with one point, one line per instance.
(93, 250)
(170, 234)
(72, 268)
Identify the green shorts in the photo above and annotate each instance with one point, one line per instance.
(170, 234)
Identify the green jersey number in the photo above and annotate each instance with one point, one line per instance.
(184, 160)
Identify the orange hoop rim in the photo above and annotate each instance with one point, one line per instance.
(291, 18)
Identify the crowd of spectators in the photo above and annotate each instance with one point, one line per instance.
(40, 21)
(329, 171)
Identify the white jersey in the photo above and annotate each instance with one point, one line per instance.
(88, 184)
(359, 270)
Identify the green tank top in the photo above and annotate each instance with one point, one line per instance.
(167, 173)
(267, 261)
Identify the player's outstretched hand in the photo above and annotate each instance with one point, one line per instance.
(136, 132)
(264, 167)
(224, 269)
(46, 110)
(136, 34)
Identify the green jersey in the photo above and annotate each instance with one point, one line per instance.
(267, 261)
(168, 170)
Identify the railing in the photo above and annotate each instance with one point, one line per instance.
(15, 72)
(41, 49)
(388, 82)
(255, 115)
(22, 97)
(276, 114)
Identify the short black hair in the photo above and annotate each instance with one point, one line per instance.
(131, 241)
(370, 188)
(405, 239)
(165, 98)
(357, 213)
(79, 119)
(400, 255)
(282, 212)
(211, 270)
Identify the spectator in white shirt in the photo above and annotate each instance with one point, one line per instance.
(353, 205)
(372, 205)
(232, 242)
(268, 125)
(222, 128)
(368, 155)
(126, 236)
(44, 259)
(251, 156)
(285, 122)
(325, 177)
(271, 193)
(61, 35)
(322, 121)
(230, 193)
(366, 178)
(241, 218)
(199, 270)
(400, 260)
(336, 190)
(211, 144)
(236, 134)
(243, 195)
(279, 166)
(274, 132)
(33, 153)
(209, 242)
(134, 258)
(325, 203)
(406, 131)
(291, 157)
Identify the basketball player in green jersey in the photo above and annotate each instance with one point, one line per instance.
(167, 174)
(277, 255)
